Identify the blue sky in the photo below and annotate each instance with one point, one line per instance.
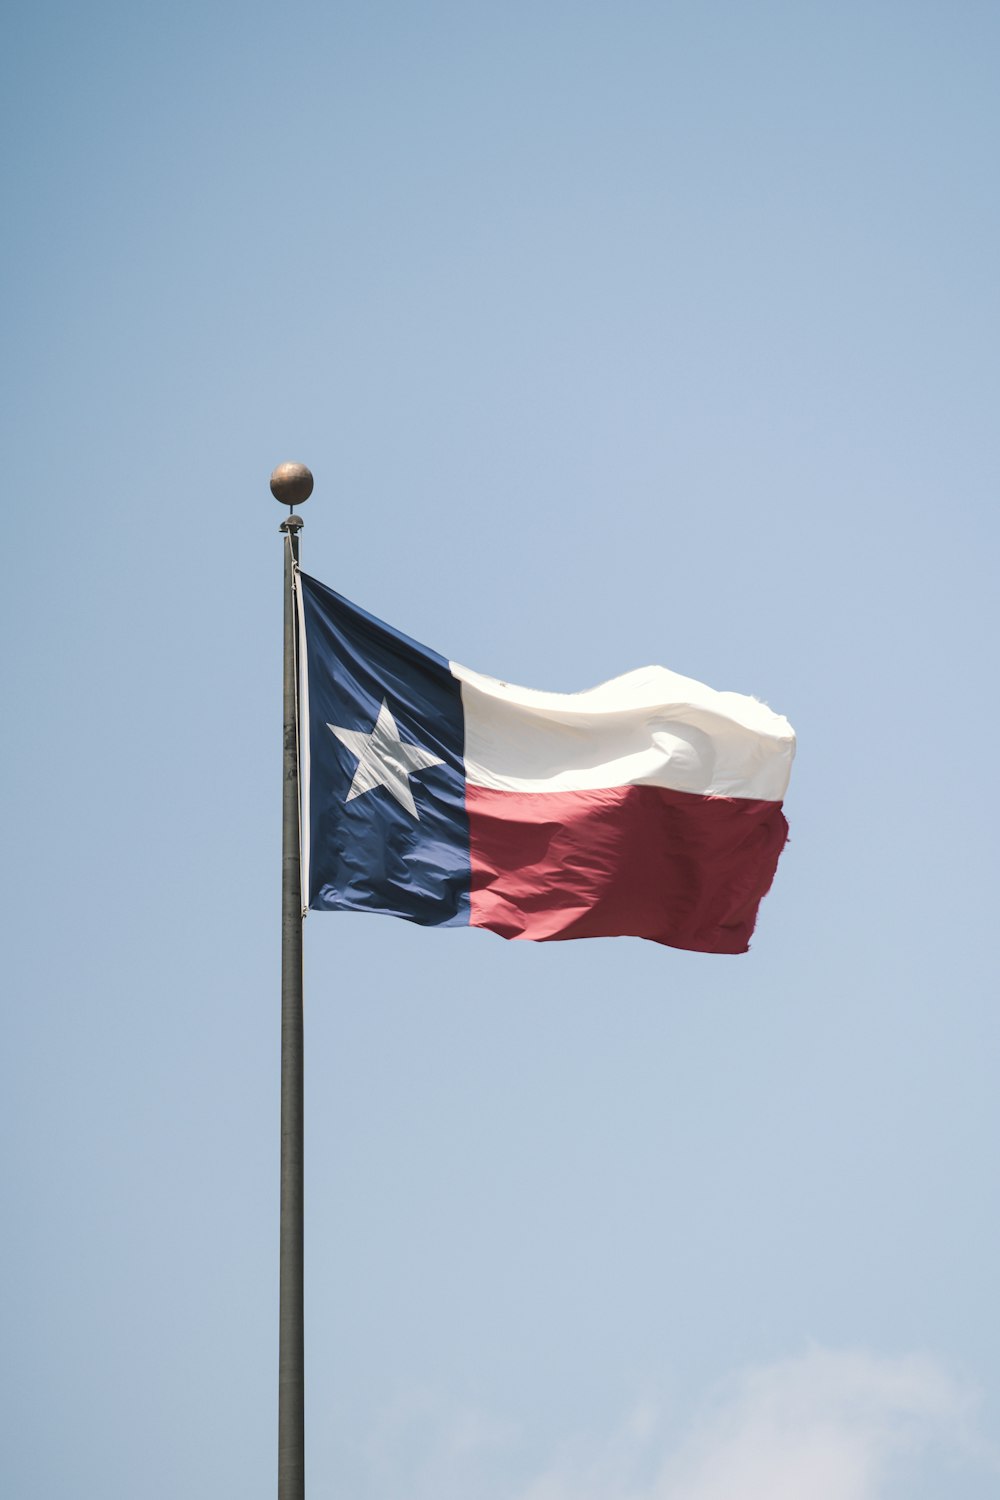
(612, 334)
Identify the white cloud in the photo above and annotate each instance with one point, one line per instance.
(825, 1426)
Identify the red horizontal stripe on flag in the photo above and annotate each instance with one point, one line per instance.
(680, 869)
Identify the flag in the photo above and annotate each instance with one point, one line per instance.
(649, 806)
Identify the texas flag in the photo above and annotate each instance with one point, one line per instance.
(649, 806)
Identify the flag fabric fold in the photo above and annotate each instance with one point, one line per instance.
(649, 806)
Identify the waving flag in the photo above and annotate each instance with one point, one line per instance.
(649, 806)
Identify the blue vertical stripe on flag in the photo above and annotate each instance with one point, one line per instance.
(401, 849)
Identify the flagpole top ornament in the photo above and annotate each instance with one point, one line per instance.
(291, 484)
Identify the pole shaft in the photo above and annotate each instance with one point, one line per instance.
(291, 1344)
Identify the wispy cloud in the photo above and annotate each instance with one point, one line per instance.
(425, 1448)
(825, 1426)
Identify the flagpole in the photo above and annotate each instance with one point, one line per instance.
(291, 484)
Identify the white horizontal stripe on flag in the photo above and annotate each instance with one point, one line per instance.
(651, 727)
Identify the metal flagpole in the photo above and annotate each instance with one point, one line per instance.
(292, 485)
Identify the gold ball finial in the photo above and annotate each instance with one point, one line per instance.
(291, 484)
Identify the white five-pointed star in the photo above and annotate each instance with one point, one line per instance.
(383, 759)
